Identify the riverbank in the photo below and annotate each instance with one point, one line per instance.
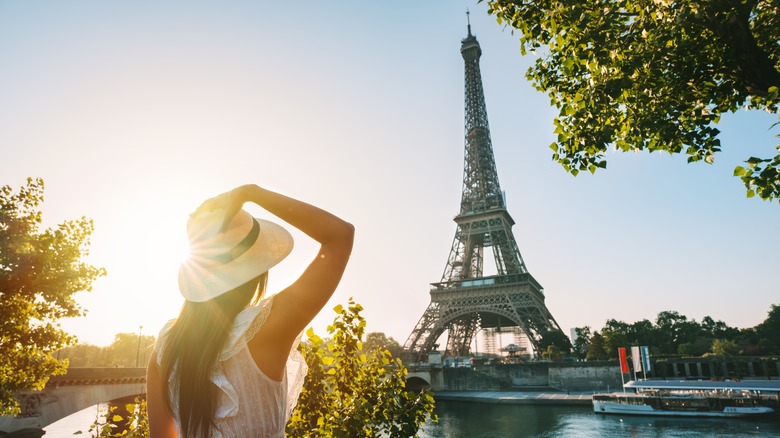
(518, 397)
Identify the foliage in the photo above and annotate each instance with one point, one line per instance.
(768, 331)
(651, 75)
(699, 347)
(40, 271)
(615, 335)
(581, 341)
(674, 329)
(554, 338)
(85, 356)
(110, 424)
(676, 334)
(552, 353)
(380, 341)
(125, 351)
(352, 392)
(724, 347)
(596, 348)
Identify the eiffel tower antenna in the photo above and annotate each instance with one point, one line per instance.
(468, 20)
(466, 301)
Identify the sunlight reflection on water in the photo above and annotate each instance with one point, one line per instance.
(79, 421)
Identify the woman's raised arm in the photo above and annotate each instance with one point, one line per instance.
(295, 306)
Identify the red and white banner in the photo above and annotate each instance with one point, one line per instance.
(636, 358)
(623, 362)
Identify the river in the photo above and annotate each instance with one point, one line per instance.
(478, 420)
(482, 420)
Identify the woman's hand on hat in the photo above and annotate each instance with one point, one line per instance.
(229, 202)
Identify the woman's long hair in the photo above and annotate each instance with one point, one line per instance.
(194, 343)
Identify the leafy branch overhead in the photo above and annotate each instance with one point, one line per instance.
(636, 75)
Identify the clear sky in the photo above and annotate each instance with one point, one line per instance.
(135, 111)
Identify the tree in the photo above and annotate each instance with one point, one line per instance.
(641, 333)
(674, 329)
(718, 329)
(614, 335)
(86, 356)
(39, 273)
(352, 392)
(380, 341)
(724, 347)
(768, 331)
(552, 353)
(651, 75)
(554, 338)
(128, 350)
(696, 348)
(596, 350)
(581, 341)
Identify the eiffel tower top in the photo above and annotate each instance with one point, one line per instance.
(481, 190)
(483, 220)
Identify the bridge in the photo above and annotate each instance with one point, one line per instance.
(424, 376)
(63, 395)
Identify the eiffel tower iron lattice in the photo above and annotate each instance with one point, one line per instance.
(466, 301)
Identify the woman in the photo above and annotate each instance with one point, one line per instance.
(228, 365)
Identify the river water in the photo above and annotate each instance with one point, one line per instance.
(483, 420)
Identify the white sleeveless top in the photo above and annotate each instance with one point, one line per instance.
(250, 404)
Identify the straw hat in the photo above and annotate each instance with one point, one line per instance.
(220, 261)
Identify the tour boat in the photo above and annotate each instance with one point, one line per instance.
(691, 398)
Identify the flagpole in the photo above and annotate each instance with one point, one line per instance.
(623, 380)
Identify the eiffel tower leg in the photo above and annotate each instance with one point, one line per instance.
(424, 335)
(460, 335)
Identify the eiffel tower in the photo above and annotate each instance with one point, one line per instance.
(466, 302)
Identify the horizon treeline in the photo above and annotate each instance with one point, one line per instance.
(670, 334)
(674, 334)
(127, 350)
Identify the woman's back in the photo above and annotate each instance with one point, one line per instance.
(248, 402)
(262, 401)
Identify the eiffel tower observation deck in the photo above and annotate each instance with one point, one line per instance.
(466, 303)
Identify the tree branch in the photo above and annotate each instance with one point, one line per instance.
(756, 70)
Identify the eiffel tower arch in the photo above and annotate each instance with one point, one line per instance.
(466, 301)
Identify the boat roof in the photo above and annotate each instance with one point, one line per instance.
(738, 385)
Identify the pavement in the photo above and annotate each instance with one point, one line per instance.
(518, 397)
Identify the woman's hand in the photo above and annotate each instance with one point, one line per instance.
(229, 202)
